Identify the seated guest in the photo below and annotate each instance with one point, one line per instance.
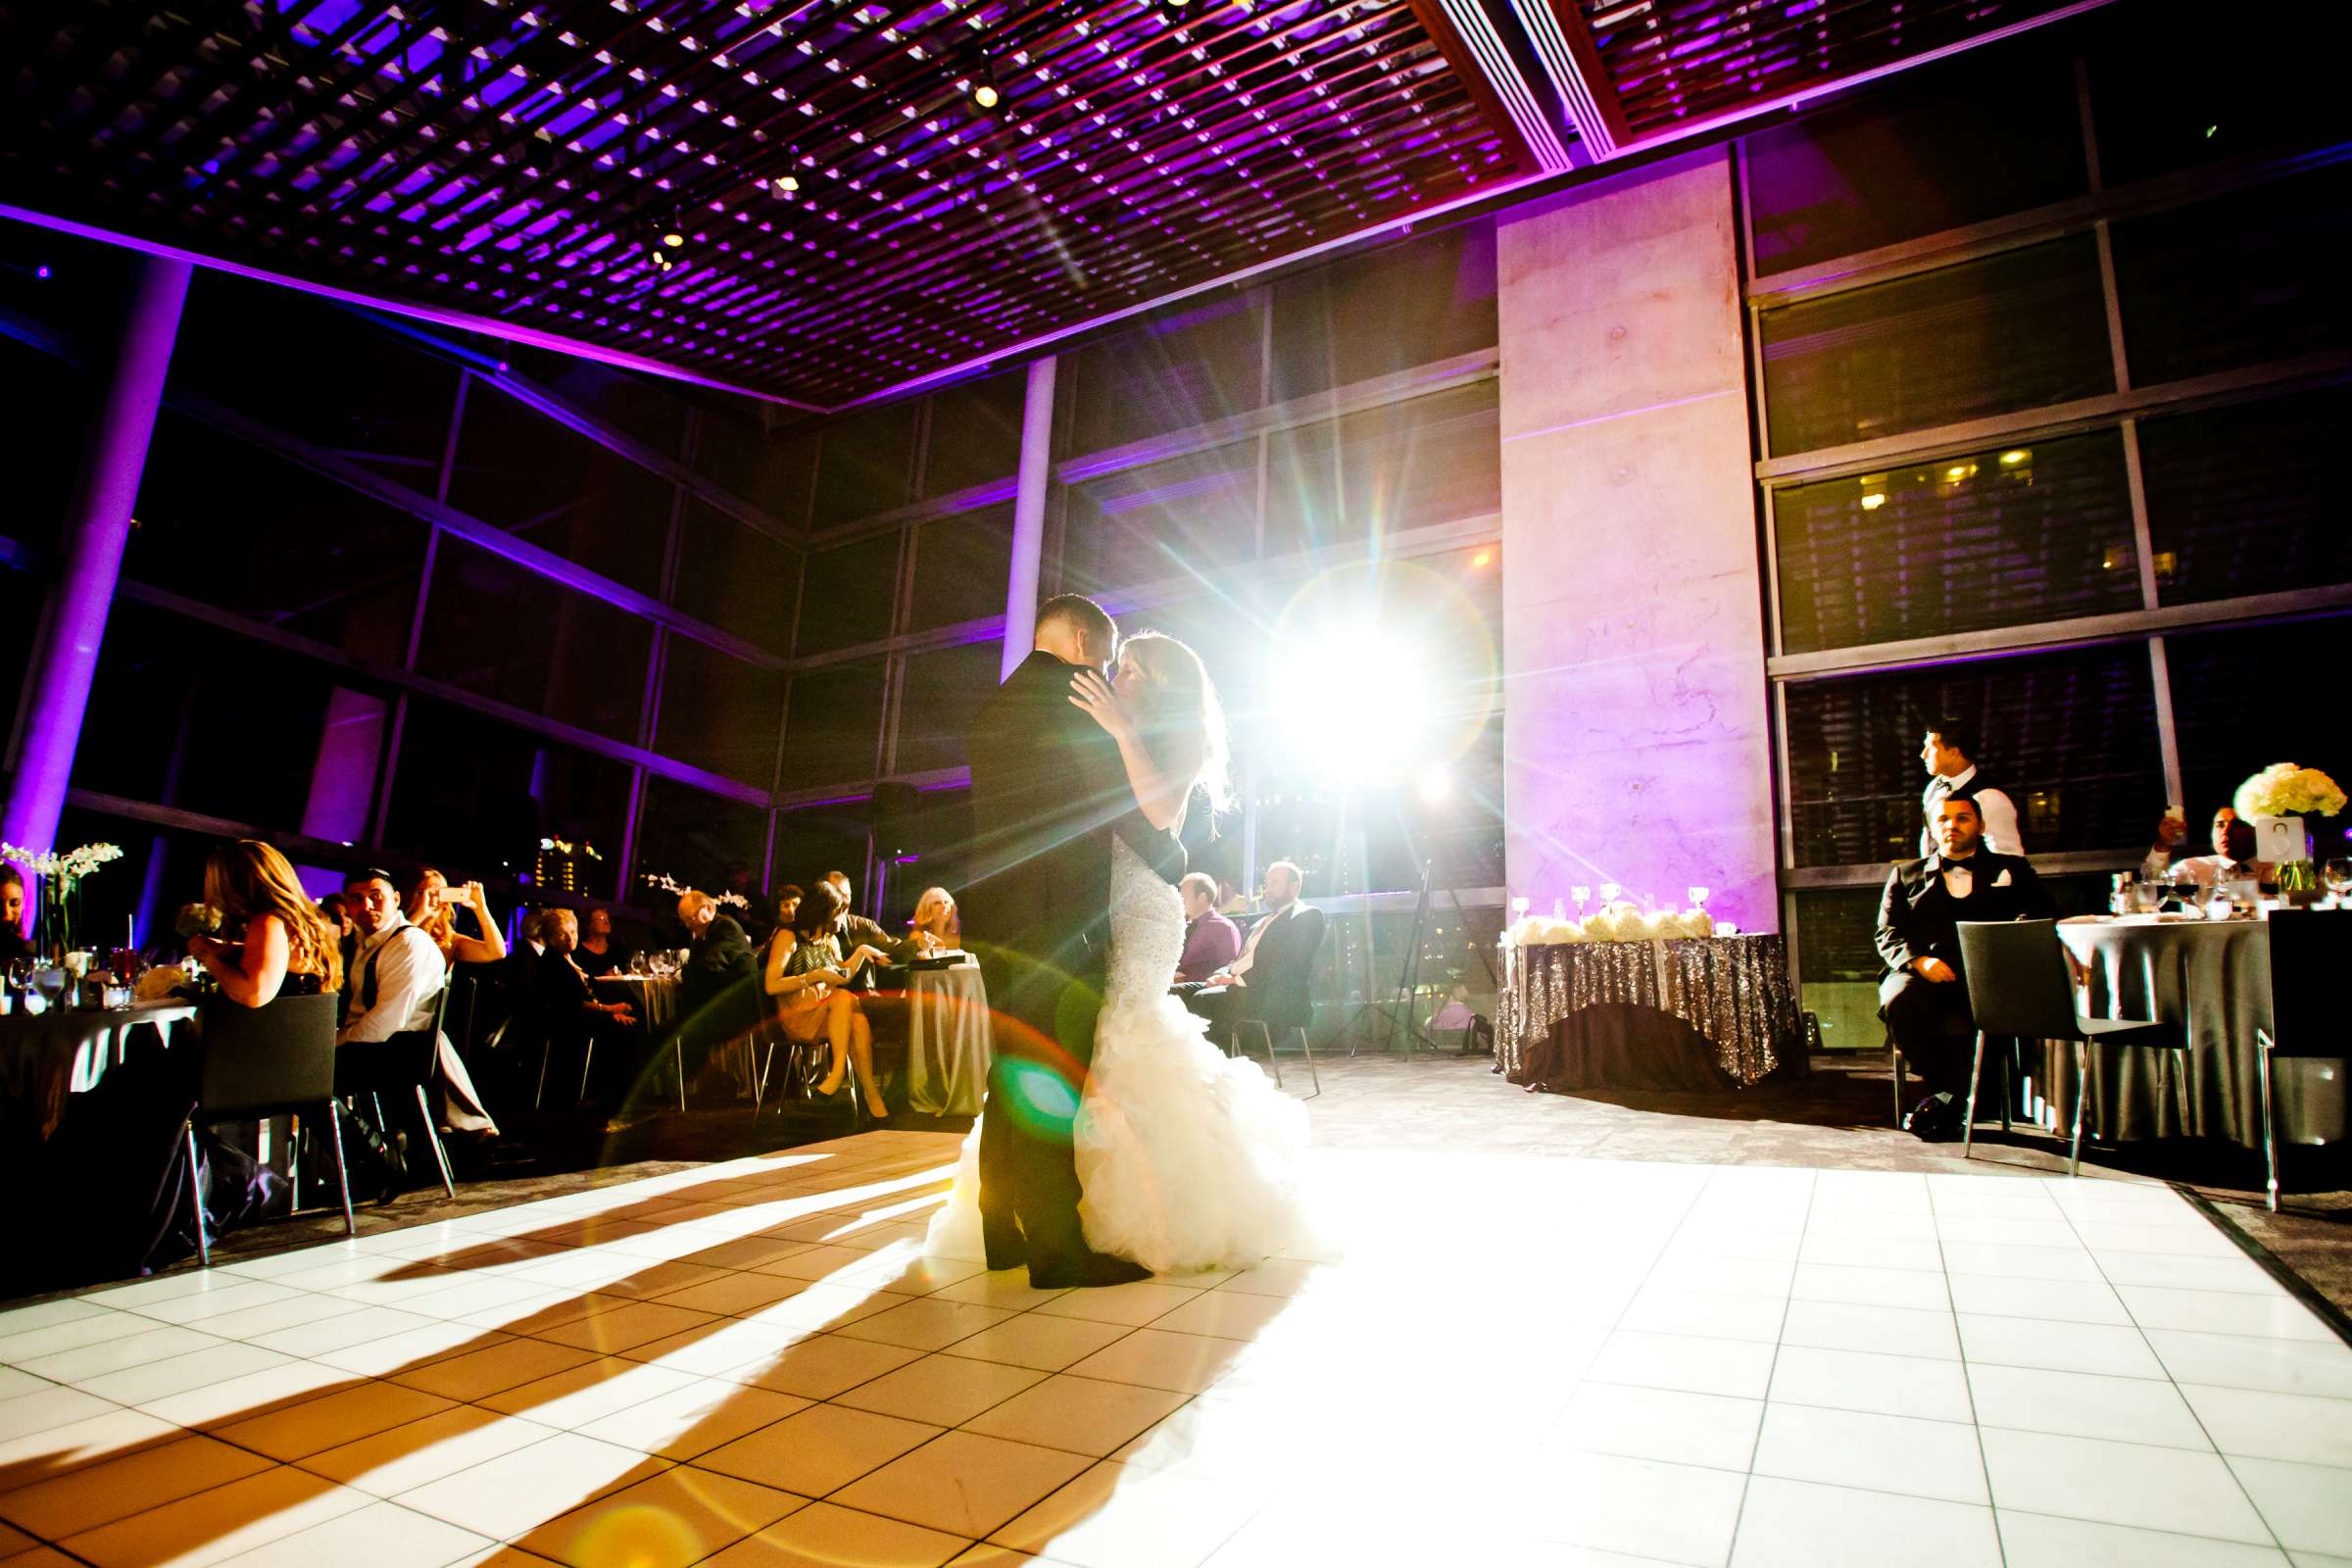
(335, 911)
(1211, 939)
(1921, 998)
(395, 974)
(598, 953)
(717, 999)
(434, 905)
(1948, 753)
(810, 983)
(566, 999)
(935, 927)
(1271, 976)
(855, 929)
(740, 879)
(2232, 860)
(788, 904)
(1458, 1017)
(272, 942)
(14, 943)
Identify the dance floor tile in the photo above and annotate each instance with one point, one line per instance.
(944, 1390)
(2120, 1483)
(1686, 1361)
(1048, 1344)
(1081, 1415)
(85, 1497)
(406, 1458)
(1865, 1380)
(218, 1523)
(1593, 1362)
(2085, 1404)
(2042, 1540)
(818, 1450)
(963, 1484)
(824, 1535)
(1803, 1524)
(1185, 1363)
(1704, 1429)
(2308, 1506)
(925, 1325)
(1135, 1304)
(670, 1521)
(2102, 1347)
(2276, 1426)
(1902, 1454)
(512, 1492)
(329, 1422)
(1111, 1517)
(381, 1535)
(822, 1365)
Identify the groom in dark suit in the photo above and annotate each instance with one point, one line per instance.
(1049, 794)
(1923, 999)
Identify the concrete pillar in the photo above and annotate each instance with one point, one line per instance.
(343, 775)
(1636, 747)
(57, 686)
(1029, 516)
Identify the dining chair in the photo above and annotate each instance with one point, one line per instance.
(2309, 952)
(273, 1061)
(407, 1060)
(2019, 985)
(1290, 1009)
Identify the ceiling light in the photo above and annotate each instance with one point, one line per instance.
(2010, 460)
(985, 95)
(788, 184)
(1874, 501)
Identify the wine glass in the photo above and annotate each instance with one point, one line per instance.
(1582, 896)
(1698, 897)
(2142, 898)
(2337, 876)
(637, 963)
(1609, 894)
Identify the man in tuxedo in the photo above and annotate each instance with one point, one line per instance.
(1923, 998)
(1948, 753)
(718, 993)
(1049, 795)
(1268, 983)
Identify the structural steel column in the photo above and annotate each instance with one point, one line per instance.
(57, 687)
(1029, 516)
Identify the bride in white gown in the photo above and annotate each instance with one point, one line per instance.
(1188, 1159)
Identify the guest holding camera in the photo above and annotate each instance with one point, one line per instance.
(395, 975)
(811, 981)
(433, 906)
(272, 941)
(2232, 860)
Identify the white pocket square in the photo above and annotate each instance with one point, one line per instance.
(2002, 880)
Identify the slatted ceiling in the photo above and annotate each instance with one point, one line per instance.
(1673, 61)
(508, 160)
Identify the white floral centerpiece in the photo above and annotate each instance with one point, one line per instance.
(61, 887)
(2275, 800)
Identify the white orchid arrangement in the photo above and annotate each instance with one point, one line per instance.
(667, 884)
(2284, 790)
(71, 867)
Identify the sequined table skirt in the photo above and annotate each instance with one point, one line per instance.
(1718, 1014)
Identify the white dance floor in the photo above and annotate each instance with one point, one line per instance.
(1498, 1359)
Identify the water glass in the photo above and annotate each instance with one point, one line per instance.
(2336, 874)
(2142, 897)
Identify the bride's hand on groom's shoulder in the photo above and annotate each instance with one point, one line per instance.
(1094, 695)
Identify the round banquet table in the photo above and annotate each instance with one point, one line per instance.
(1709, 1013)
(2214, 978)
(948, 1042)
(654, 999)
(46, 1057)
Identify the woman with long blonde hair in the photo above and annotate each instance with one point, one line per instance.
(431, 907)
(273, 939)
(935, 927)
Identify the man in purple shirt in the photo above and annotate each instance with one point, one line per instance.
(1211, 941)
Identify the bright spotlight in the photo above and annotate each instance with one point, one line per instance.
(1436, 786)
(1374, 679)
(985, 95)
